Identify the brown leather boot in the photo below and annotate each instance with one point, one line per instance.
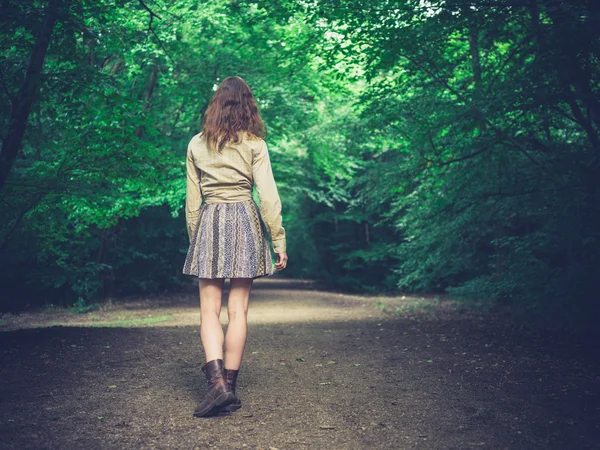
(231, 380)
(218, 394)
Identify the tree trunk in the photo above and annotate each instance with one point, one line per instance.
(22, 101)
(39, 141)
(177, 117)
(149, 91)
(474, 50)
(476, 65)
(575, 80)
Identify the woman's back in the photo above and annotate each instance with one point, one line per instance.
(225, 176)
(228, 175)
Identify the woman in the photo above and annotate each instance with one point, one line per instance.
(227, 232)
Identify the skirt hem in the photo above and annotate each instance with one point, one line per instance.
(227, 277)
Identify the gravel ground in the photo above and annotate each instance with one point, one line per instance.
(321, 371)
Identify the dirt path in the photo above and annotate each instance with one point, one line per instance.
(322, 371)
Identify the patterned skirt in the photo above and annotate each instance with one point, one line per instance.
(229, 242)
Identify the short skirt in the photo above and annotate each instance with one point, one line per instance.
(230, 241)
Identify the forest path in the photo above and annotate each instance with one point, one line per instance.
(321, 371)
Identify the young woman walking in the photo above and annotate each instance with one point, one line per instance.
(227, 232)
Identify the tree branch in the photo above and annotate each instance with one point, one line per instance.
(152, 13)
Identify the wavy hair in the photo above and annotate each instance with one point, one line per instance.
(231, 112)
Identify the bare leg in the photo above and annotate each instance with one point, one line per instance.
(237, 329)
(211, 331)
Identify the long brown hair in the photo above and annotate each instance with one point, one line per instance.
(231, 112)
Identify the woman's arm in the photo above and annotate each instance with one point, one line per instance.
(193, 194)
(270, 204)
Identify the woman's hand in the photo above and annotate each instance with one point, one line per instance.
(281, 261)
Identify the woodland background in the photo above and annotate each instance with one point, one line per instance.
(423, 146)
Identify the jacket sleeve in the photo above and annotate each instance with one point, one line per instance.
(270, 204)
(193, 194)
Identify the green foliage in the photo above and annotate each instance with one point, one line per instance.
(93, 205)
(80, 307)
(488, 157)
(423, 146)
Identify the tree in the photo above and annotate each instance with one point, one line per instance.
(21, 102)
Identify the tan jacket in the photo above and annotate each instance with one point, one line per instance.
(228, 177)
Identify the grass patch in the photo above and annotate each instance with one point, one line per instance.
(408, 308)
(134, 322)
(419, 307)
(54, 323)
(81, 307)
(378, 304)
